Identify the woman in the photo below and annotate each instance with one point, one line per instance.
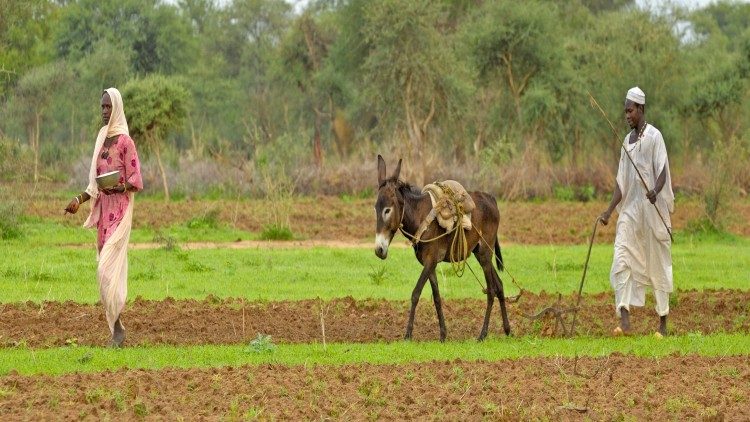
(112, 213)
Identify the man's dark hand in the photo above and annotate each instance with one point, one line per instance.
(604, 218)
(651, 195)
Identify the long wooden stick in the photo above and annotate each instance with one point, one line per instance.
(622, 144)
(583, 277)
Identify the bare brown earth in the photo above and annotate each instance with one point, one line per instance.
(333, 218)
(215, 321)
(610, 388)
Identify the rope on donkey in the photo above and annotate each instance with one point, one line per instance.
(459, 245)
(459, 253)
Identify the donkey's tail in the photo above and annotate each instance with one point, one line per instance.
(498, 255)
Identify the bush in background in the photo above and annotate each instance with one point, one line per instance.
(11, 211)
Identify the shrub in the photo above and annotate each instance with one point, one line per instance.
(15, 160)
(209, 220)
(10, 217)
(725, 165)
(276, 232)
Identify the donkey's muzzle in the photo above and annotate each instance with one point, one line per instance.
(381, 252)
(381, 246)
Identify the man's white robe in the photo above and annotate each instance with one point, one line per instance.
(642, 256)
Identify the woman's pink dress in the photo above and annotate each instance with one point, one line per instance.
(122, 156)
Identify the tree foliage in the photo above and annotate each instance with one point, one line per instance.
(477, 84)
(155, 106)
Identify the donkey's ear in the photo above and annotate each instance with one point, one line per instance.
(381, 170)
(397, 171)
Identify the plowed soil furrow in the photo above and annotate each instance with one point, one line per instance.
(215, 321)
(613, 388)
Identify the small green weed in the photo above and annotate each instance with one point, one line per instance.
(371, 392)
(167, 242)
(490, 409)
(139, 408)
(118, 401)
(94, 396)
(378, 276)
(261, 344)
(252, 413)
(197, 267)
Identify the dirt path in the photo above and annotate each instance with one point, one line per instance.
(214, 321)
(612, 388)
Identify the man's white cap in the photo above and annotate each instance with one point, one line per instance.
(636, 95)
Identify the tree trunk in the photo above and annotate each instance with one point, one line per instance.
(414, 131)
(317, 144)
(35, 146)
(163, 173)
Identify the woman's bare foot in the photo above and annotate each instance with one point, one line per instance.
(118, 337)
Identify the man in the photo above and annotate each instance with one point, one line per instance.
(642, 256)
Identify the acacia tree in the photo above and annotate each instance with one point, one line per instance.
(155, 107)
(303, 55)
(34, 94)
(513, 43)
(410, 68)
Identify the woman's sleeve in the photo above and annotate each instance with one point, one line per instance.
(132, 164)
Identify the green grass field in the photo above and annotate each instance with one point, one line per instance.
(93, 359)
(57, 263)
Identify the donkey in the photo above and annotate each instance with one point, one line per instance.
(401, 206)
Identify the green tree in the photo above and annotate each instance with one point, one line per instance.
(159, 37)
(412, 70)
(249, 38)
(600, 6)
(304, 54)
(514, 42)
(24, 32)
(33, 96)
(730, 18)
(155, 106)
(624, 49)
